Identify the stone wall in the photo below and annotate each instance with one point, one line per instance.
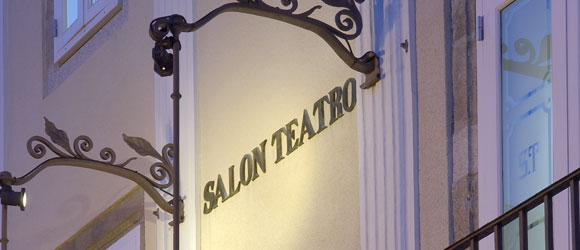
(434, 118)
(464, 126)
(447, 120)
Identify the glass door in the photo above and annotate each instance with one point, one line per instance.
(524, 110)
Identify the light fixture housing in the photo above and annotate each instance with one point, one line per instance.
(163, 61)
(12, 198)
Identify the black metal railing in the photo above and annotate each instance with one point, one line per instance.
(521, 211)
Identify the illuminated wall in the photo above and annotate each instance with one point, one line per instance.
(256, 75)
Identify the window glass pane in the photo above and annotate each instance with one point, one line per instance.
(526, 100)
(527, 117)
(72, 11)
(536, 237)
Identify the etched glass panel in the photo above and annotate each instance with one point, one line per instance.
(527, 117)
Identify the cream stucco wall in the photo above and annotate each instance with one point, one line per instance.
(254, 76)
(109, 92)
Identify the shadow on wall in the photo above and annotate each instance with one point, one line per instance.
(385, 15)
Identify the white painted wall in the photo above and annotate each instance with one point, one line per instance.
(387, 137)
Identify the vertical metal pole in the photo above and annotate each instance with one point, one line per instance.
(176, 96)
(498, 241)
(473, 244)
(523, 229)
(4, 227)
(574, 206)
(549, 222)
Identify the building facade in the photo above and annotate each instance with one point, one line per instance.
(280, 148)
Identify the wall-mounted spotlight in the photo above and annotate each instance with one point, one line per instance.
(9, 197)
(12, 198)
(163, 60)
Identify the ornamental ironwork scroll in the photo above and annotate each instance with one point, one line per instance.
(348, 26)
(161, 171)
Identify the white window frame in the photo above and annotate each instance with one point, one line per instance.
(565, 61)
(91, 17)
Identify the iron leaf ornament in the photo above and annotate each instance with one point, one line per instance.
(141, 146)
(57, 136)
(82, 144)
(161, 171)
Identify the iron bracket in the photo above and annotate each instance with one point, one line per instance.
(161, 171)
(348, 26)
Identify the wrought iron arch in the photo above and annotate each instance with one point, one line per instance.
(348, 23)
(162, 171)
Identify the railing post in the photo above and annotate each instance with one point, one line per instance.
(523, 215)
(575, 216)
(473, 244)
(549, 222)
(498, 237)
